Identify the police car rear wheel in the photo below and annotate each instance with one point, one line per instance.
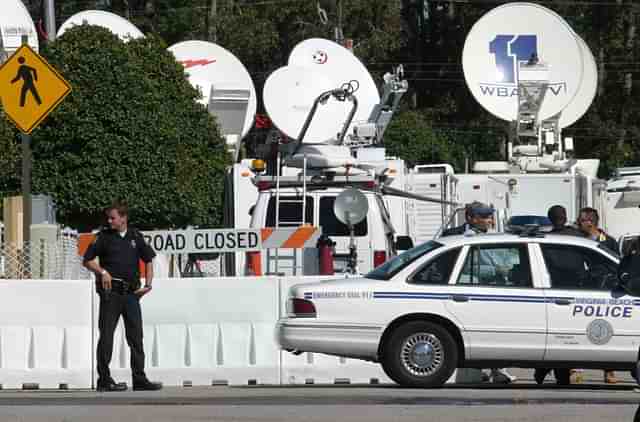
(420, 354)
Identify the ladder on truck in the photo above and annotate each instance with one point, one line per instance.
(293, 259)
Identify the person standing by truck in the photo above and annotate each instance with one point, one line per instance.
(588, 223)
(558, 216)
(478, 220)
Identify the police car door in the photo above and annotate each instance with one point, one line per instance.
(588, 319)
(495, 300)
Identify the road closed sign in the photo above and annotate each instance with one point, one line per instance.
(201, 241)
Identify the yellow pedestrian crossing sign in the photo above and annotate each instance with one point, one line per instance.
(30, 88)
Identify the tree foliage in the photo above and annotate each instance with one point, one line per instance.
(441, 120)
(131, 129)
(9, 158)
(413, 136)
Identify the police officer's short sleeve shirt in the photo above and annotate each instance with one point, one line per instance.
(118, 254)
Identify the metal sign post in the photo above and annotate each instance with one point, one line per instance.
(26, 180)
(26, 188)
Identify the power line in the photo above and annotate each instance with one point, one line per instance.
(553, 2)
(462, 2)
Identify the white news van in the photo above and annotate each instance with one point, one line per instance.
(622, 198)
(374, 236)
(397, 217)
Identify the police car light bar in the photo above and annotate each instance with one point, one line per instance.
(527, 230)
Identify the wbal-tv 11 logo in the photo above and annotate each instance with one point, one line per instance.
(509, 51)
(507, 37)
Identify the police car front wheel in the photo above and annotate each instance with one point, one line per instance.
(420, 354)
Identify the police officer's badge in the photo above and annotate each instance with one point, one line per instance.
(599, 331)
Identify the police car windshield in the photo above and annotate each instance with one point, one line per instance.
(396, 264)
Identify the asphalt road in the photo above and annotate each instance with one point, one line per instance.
(523, 401)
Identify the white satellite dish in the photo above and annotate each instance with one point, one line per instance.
(289, 94)
(213, 68)
(341, 66)
(351, 206)
(510, 34)
(15, 21)
(588, 88)
(204, 87)
(121, 27)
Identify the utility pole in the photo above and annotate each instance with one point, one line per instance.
(213, 14)
(339, 34)
(127, 10)
(50, 19)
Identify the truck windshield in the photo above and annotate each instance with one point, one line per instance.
(398, 263)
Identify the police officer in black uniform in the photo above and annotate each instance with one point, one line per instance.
(119, 249)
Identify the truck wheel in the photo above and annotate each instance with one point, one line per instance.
(420, 354)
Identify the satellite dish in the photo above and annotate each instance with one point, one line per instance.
(510, 34)
(351, 206)
(341, 66)
(15, 21)
(121, 27)
(204, 87)
(588, 88)
(214, 69)
(289, 94)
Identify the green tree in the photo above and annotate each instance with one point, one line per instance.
(411, 136)
(131, 129)
(9, 158)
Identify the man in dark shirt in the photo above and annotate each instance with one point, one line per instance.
(558, 216)
(588, 223)
(118, 250)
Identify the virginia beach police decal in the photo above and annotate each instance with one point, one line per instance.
(599, 332)
(603, 308)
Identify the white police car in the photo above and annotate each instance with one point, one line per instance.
(495, 300)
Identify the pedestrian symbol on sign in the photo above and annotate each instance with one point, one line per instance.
(28, 76)
(41, 88)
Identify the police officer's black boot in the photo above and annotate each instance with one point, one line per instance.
(111, 385)
(146, 385)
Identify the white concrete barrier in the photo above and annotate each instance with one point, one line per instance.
(198, 331)
(204, 331)
(45, 334)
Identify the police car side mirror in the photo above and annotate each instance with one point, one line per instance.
(403, 243)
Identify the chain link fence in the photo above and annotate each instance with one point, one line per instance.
(43, 259)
